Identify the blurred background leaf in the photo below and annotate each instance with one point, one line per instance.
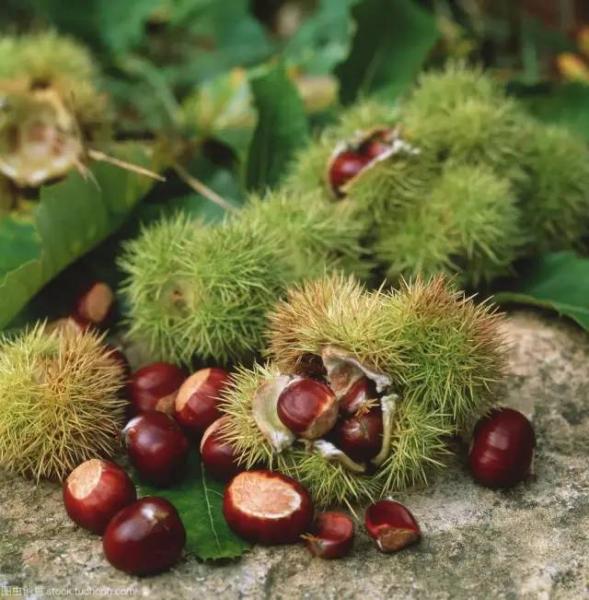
(392, 41)
(558, 281)
(281, 130)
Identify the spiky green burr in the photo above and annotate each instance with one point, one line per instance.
(479, 185)
(435, 354)
(51, 107)
(196, 291)
(59, 400)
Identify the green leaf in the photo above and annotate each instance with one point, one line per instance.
(199, 501)
(117, 25)
(281, 130)
(323, 40)
(393, 38)
(71, 218)
(558, 282)
(564, 104)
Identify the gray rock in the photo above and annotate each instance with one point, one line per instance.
(529, 542)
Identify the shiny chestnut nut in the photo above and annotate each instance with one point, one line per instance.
(360, 436)
(154, 387)
(95, 305)
(267, 508)
(391, 525)
(344, 167)
(308, 408)
(156, 446)
(377, 144)
(360, 393)
(331, 536)
(217, 454)
(197, 401)
(95, 491)
(145, 538)
(502, 448)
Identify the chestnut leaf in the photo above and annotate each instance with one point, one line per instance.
(199, 502)
(282, 127)
(558, 281)
(392, 41)
(70, 218)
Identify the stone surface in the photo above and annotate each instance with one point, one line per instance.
(530, 542)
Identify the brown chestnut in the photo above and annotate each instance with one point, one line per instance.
(344, 167)
(391, 525)
(308, 408)
(360, 436)
(217, 454)
(267, 508)
(502, 448)
(154, 387)
(359, 394)
(197, 401)
(95, 304)
(331, 536)
(95, 491)
(157, 447)
(145, 538)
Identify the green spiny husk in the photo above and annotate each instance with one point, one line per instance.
(485, 186)
(196, 290)
(442, 353)
(60, 402)
(205, 291)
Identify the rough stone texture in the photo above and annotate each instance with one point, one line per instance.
(530, 542)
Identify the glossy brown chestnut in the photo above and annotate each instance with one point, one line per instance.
(308, 408)
(391, 525)
(157, 447)
(360, 436)
(358, 395)
(145, 538)
(267, 508)
(95, 491)
(155, 386)
(217, 454)
(502, 448)
(197, 402)
(95, 304)
(376, 145)
(344, 167)
(331, 536)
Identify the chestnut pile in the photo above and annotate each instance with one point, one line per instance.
(329, 408)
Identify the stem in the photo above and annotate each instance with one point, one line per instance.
(102, 157)
(200, 188)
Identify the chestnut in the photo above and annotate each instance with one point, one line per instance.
(344, 167)
(154, 387)
(331, 536)
(95, 304)
(377, 144)
(360, 436)
(502, 448)
(267, 508)
(197, 401)
(308, 408)
(95, 491)
(145, 538)
(157, 447)
(358, 395)
(217, 454)
(391, 525)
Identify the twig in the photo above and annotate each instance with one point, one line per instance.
(102, 157)
(200, 188)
